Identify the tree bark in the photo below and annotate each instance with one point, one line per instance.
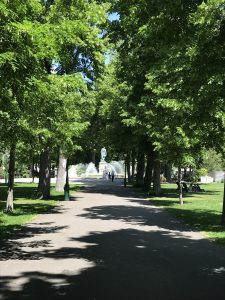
(67, 187)
(133, 167)
(11, 171)
(185, 172)
(149, 169)
(93, 156)
(156, 175)
(167, 173)
(140, 169)
(61, 173)
(180, 186)
(128, 169)
(44, 175)
(223, 212)
(32, 170)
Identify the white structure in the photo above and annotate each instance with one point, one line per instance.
(103, 154)
(72, 171)
(206, 179)
(103, 169)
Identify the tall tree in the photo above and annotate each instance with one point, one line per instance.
(33, 33)
(79, 47)
(162, 50)
(20, 60)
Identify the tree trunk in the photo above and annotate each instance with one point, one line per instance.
(185, 172)
(5, 165)
(128, 169)
(133, 167)
(11, 171)
(32, 170)
(67, 187)
(180, 186)
(44, 175)
(61, 173)
(156, 175)
(140, 169)
(167, 173)
(223, 212)
(93, 156)
(149, 170)
(190, 173)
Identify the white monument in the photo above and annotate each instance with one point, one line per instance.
(103, 164)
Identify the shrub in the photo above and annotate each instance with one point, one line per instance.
(202, 172)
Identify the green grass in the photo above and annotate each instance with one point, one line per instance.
(200, 210)
(25, 207)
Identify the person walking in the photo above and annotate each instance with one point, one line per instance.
(113, 175)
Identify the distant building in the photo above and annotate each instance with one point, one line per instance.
(218, 176)
(206, 179)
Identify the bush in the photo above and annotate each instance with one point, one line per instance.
(1, 173)
(202, 172)
(26, 174)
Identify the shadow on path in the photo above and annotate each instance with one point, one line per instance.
(130, 264)
(137, 253)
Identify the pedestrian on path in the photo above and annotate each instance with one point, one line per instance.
(113, 175)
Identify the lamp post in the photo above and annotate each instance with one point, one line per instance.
(67, 187)
(125, 173)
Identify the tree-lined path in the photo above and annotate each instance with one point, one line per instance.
(108, 243)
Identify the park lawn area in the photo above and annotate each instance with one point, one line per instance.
(200, 210)
(25, 207)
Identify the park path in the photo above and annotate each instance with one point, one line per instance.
(110, 244)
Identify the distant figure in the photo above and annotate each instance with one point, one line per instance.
(103, 154)
(113, 175)
(198, 188)
(109, 175)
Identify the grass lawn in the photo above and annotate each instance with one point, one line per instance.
(25, 208)
(201, 210)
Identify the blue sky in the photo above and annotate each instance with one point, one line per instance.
(114, 16)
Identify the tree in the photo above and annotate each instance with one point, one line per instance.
(212, 161)
(162, 50)
(60, 120)
(33, 33)
(78, 44)
(20, 60)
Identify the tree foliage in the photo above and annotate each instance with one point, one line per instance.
(172, 56)
(36, 107)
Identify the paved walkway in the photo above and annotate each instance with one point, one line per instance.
(109, 244)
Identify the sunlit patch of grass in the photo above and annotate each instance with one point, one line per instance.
(200, 210)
